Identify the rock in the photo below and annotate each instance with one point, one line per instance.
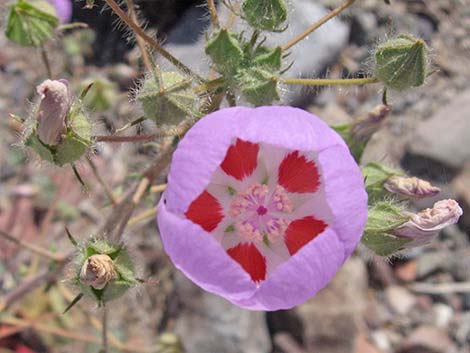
(210, 324)
(442, 136)
(330, 319)
(442, 315)
(399, 299)
(322, 46)
(461, 185)
(428, 338)
(431, 262)
(364, 346)
(407, 272)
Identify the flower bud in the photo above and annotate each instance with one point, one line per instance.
(363, 128)
(401, 63)
(225, 51)
(410, 187)
(358, 133)
(267, 15)
(424, 226)
(53, 111)
(97, 271)
(168, 101)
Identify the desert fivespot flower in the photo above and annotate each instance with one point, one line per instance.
(262, 205)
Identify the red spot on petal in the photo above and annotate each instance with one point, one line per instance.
(302, 231)
(206, 211)
(297, 174)
(249, 257)
(241, 159)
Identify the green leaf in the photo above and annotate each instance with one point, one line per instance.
(41, 149)
(375, 175)
(266, 15)
(71, 149)
(31, 23)
(270, 60)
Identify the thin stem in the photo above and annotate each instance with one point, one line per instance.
(157, 188)
(213, 13)
(317, 24)
(130, 124)
(46, 62)
(152, 42)
(33, 248)
(140, 41)
(106, 188)
(143, 216)
(328, 81)
(104, 331)
(120, 139)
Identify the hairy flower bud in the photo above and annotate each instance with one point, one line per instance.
(425, 225)
(97, 271)
(363, 129)
(410, 187)
(56, 101)
(401, 63)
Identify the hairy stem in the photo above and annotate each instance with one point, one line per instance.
(213, 13)
(152, 42)
(317, 24)
(328, 81)
(46, 62)
(105, 186)
(33, 248)
(104, 331)
(130, 124)
(140, 41)
(120, 139)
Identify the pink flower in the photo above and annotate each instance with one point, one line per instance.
(64, 9)
(262, 206)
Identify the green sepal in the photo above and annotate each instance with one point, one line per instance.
(384, 217)
(168, 101)
(225, 51)
(266, 15)
(384, 244)
(401, 63)
(270, 60)
(44, 152)
(257, 86)
(31, 23)
(375, 175)
(355, 146)
(102, 94)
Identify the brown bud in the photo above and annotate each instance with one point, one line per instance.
(425, 225)
(410, 187)
(363, 128)
(97, 271)
(54, 107)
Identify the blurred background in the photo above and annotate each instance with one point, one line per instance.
(416, 303)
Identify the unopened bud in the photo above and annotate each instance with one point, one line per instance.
(401, 63)
(424, 226)
(410, 187)
(52, 115)
(265, 14)
(363, 128)
(97, 271)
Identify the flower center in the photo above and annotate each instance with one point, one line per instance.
(258, 213)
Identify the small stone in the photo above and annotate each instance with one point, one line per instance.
(407, 271)
(442, 315)
(442, 136)
(429, 337)
(400, 299)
